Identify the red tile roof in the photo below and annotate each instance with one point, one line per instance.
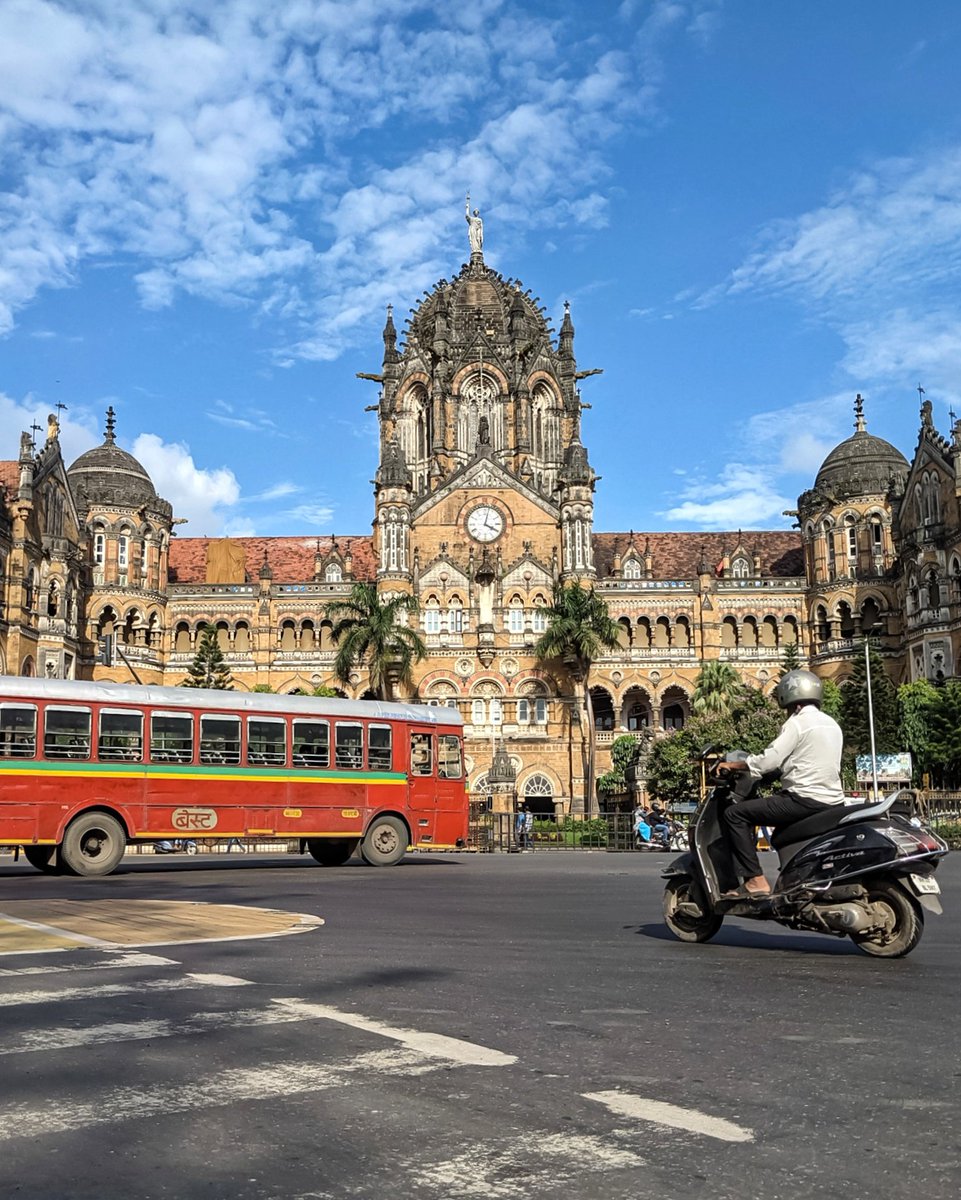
(290, 559)
(10, 477)
(676, 555)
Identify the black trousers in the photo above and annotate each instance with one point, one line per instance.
(741, 820)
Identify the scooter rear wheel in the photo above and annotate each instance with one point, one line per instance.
(687, 926)
(905, 924)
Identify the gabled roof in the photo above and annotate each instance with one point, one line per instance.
(677, 555)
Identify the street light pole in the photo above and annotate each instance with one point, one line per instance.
(867, 673)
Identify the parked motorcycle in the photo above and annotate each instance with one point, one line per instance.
(857, 871)
(176, 846)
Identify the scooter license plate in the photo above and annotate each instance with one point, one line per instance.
(924, 883)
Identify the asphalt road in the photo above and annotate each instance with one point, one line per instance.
(498, 1027)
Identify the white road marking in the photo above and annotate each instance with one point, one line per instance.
(234, 1086)
(114, 963)
(11, 999)
(81, 938)
(519, 1168)
(70, 1037)
(434, 1045)
(660, 1113)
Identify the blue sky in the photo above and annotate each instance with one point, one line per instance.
(754, 209)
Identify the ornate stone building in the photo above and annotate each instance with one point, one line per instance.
(483, 500)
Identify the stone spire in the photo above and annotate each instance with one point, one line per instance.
(859, 424)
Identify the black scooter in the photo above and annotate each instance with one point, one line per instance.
(858, 871)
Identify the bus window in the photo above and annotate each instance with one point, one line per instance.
(18, 731)
(121, 736)
(420, 756)
(267, 741)
(349, 746)
(311, 744)
(66, 732)
(449, 764)
(378, 747)
(171, 737)
(219, 740)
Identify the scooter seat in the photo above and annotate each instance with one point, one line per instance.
(828, 818)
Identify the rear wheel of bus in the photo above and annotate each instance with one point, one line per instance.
(385, 842)
(331, 852)
(94, 844)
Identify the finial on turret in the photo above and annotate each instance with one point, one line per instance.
(109, 436)
(475, 231)
(859, 425)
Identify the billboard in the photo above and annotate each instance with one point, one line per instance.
(892, 768)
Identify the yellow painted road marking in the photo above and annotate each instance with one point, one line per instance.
(29, 926)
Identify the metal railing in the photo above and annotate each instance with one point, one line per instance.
(492, 832)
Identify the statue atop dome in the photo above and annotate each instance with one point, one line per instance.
(475, 230)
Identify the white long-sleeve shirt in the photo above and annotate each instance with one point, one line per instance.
(807, 752)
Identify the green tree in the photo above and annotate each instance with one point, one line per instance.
(791, 659)
(854, 708)
(672, 769)
(831, 699)
(323, 690)
(626, 752)
(915, 704)
(579, 627)
(262, 687)
(944, 732)
(368, 632)
(208, 669)
(716, 688)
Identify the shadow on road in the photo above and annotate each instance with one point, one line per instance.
(760, 939)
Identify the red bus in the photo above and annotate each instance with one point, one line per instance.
(86, 768)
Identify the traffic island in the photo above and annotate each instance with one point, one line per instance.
(31, 926)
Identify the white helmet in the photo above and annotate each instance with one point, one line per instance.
(797, 686)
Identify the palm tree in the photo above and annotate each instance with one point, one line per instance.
(368, 633)
(716, 688)
(579, 627)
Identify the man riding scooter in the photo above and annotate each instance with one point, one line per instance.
(807, 756)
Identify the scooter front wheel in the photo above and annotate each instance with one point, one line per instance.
(683, 914)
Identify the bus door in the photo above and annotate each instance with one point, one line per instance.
(422, 781)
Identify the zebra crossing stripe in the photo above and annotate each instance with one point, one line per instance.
(233, 1086)
(97, 992)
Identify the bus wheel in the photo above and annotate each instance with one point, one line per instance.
(44, 858)
(385, 842)
(93, 844)
(331, 852)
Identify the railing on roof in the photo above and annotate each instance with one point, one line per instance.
(646, 585)
(790, 583)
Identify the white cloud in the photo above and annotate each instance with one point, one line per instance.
(203, 496)
(743, 498)
(214, 149)
(77, 430)
(874, 263)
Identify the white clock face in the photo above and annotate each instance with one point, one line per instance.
(485, 523)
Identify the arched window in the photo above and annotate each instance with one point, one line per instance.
(99, 549)
(515, 616)
(673, 717)
(538, 785)
(478, 712)
(631, 569)
(541, 710)
(123, 552)
(851, 539)
(334, 573)
(740, 568)
(496, 711)
(288, 636)
(432, 616)
(523, 711)
(539, 615)
(182, 638)
(455, 615)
